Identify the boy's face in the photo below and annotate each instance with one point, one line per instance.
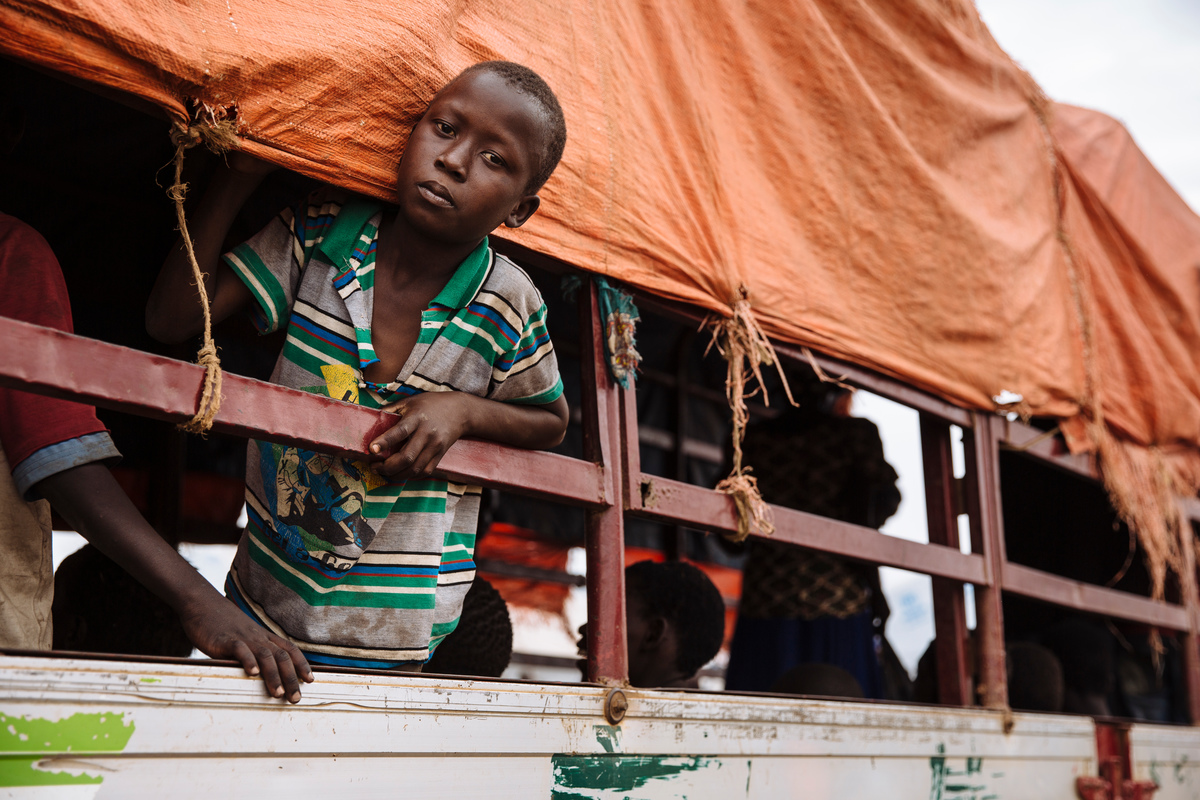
(469, 161)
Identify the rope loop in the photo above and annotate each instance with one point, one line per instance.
(216, 130)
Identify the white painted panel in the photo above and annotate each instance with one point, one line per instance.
(416, 777)
(1169, 756)
(166, 730)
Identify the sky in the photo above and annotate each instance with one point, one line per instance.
(1136, 60)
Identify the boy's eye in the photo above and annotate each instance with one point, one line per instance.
(443, 127)
(493, 158)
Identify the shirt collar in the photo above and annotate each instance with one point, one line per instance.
(464, 284)
(347, 228)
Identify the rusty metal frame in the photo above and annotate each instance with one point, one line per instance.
(949, 603)
(609, 483)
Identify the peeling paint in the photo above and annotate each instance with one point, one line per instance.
(581, 777)
(24, 741)
(951, 784)
(609, 737)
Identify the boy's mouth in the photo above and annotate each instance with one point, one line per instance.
(435, 193)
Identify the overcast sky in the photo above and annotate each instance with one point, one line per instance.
(1136, 60)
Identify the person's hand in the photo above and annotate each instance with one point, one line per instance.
(429, 424)
(247, 164)
(219, 629)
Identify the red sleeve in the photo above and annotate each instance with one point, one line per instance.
(32, 289)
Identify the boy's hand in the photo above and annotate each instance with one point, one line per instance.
(429, 424)
(220, 630)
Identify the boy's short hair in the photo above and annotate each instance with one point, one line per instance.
(1035, 678)
(554, 125)
(686, 598)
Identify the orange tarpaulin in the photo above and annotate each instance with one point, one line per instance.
(885, 181)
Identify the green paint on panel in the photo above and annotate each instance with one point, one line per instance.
(151, 680)
(26, 740)
(959, 789)
(609, 737)
(577, 777)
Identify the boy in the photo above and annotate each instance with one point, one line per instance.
(406, 309)
(674, 624)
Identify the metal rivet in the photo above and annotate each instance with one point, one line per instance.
(615, 706)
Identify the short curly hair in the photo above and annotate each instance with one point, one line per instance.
(482, 643)
(554, 124)
(685, 597)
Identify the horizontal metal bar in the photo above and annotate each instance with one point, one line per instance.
(1017, 436)
(673, 501)
(1038, 585)
(47, 361)
(539, 660)
(508, 569)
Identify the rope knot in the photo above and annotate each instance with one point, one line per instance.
(186, 136)
(741, 341)
(216, 129)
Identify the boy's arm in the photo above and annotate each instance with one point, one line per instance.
(90, 499)
(431, 422)
(173, 313)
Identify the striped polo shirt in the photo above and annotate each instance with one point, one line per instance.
(356, 569)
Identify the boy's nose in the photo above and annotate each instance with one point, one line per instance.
(454, 161)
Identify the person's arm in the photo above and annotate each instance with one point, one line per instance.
(173, 312)
(90, 499)
(431, 422)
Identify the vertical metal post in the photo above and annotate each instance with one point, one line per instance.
(949, 606)
(987, 539)
(1191, 601)
(608, 658)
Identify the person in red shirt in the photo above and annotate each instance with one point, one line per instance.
(56, 453)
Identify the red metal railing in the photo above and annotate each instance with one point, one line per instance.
(609, 483)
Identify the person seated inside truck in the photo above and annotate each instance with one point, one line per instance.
(800, 605)
(57, 453)
(481, 644)
(674, 624)
(404, 308)
(1035, 677)
(1087, 652)
(99, 608)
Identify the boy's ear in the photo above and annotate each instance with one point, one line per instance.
(523, 211)
(656, 630)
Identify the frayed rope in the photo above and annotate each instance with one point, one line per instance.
(742, 342)
(218, 133)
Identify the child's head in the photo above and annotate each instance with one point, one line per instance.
(675, 621)
(821, 680)
(476, 159)
(481, 644)
(1035, 679)
(553, 125)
